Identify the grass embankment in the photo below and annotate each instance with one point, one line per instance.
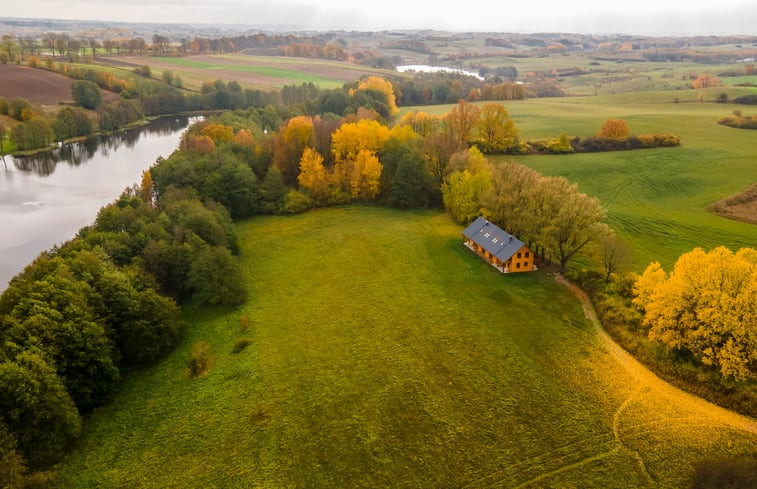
(382, 353)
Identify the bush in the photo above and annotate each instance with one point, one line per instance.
(201, 359)
(143, 70)
(296, 202)
(86, 94)
(241, 344)
(17, 106)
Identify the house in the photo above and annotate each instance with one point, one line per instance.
(502, 250)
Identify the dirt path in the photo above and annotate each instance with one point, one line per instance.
(647, 379)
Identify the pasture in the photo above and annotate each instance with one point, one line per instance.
(264, 72)
(656, 199)
(383, 353)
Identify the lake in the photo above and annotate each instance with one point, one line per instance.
(436, 69)
(45, 199)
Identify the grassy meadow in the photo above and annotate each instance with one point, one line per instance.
(656, 199)
(383, 353)
(256, 71)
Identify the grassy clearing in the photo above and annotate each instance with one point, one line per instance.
(380, 352)
(656, 199)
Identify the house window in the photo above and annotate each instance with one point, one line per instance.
(517, 265)
(495, 240)
(528, 254)
(525, 264)
(518, 255)
(487, 235)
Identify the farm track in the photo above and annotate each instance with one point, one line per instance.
(650, 382)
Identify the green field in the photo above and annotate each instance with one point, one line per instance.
(256, 71)
(385, 354)
(656, 199)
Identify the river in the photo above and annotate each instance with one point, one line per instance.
(45, 199)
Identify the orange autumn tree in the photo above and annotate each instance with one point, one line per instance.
(244, 139)
(615, 129)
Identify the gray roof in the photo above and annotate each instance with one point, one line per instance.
(499, 243)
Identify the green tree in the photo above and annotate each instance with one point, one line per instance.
(570, 221)
(462, 194)
(216, 277)
(86, 93)
(36, 408)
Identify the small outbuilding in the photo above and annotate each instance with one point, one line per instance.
(499, 248)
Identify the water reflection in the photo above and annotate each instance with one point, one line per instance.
(46, 198)
(75, 154)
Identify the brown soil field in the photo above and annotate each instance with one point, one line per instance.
(38, 86)
(741, 207)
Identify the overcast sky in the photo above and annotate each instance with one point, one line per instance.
(654, 17)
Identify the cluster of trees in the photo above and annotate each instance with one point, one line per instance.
(739, 121)
(547, 213)
(37, 131)
(705, 308)
(82, 314)
(446, 88)
(303, 50)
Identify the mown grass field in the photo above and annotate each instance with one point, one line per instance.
(656, 199)
(385, 354)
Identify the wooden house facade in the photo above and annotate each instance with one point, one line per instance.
(499, 248)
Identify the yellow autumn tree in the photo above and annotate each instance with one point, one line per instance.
(383, 86)
(616, 129)
(707, 306)
(147, 187)
(313, 177)
(496, 130)
(423, 124)
(463, 120)
(219, 133)
(351, 138)
(296, 135)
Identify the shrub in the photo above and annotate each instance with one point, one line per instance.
(16, 107)
(241, 344)
(86, 94)
(201, 359)
(296, 202)
(143, 70)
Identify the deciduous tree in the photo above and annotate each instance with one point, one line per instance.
(614, 129)
(496, 130)
(707, 305)
(463, 120)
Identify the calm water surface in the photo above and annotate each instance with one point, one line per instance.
(46, 199)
